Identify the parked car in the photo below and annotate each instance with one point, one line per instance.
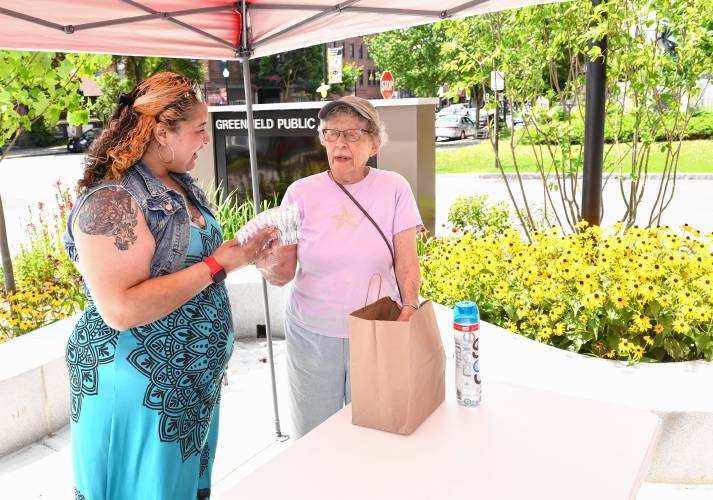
(82, 143)
(454, 109)
(484, 118)
(454, 127)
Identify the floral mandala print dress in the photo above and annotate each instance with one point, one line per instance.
(145, 401)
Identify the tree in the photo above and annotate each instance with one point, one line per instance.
(413, 56)
(138, 69)
(36, 86)
(111, 86)
(651, 92)
(301, 68)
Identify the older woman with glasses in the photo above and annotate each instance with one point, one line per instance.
(357, 222)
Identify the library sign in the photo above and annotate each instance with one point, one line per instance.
(272, 122)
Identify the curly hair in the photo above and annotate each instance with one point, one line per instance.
(164, 97)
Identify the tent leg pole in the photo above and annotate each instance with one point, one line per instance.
(256, 201)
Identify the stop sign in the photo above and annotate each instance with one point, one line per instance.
(387, 84)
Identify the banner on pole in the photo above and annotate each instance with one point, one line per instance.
(334, 60)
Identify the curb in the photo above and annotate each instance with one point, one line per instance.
(27, 153)
(533, 176)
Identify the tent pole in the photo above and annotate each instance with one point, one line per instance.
(244, 54)
(594, 118)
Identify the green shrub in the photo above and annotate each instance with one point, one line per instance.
(475, 215)
(231, 214)
(42, 134)
(699, 127)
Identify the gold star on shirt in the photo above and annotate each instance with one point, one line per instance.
(344, 218)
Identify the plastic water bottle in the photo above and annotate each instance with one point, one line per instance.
(466, 326)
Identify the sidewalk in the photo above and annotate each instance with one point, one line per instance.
(28, 152)
(247, 432)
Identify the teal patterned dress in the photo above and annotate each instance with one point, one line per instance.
(145, 401)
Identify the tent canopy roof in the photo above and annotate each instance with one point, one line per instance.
(210, 29)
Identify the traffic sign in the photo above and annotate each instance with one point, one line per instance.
(387, 85)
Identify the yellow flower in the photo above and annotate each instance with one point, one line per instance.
(625, 346)
(611, 354)
(649, 292)
(638, 352)
(545, 332)
(658, 328)
(620, 301)
(648, 339)
(680, 326)
(642, 323)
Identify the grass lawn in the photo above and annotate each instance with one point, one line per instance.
(696, 156)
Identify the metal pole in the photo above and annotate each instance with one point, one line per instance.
(496, 131)
(245, 57)
(595, 116)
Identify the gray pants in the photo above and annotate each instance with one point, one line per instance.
(318, 377)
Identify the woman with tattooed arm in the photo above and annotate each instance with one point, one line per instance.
(147, 357)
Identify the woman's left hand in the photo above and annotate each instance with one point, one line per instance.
(406, 313)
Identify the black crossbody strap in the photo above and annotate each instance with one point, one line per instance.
(366, 214)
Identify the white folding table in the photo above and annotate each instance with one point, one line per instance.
(521, 443)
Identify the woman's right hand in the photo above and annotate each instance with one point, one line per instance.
(231, 255)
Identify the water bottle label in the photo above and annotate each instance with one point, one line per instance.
(474, 327)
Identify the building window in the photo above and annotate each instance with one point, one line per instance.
(361, 79)
(361, 52)
(351, 50)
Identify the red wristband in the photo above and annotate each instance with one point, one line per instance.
(217, 273)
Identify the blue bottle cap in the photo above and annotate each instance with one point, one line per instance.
(466, 308)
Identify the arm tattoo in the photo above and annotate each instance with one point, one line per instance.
(110, 212)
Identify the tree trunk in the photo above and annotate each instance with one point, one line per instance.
(5, 254)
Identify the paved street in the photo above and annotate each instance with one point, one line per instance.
(25, 181)
(692, 202)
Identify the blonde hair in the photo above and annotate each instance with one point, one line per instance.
(165, 97)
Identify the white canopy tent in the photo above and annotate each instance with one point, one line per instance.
(212, 29)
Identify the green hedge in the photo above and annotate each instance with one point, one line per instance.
(699, 127)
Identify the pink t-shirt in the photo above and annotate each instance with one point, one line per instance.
(341, 250)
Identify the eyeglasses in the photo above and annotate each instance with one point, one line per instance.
(350, 134)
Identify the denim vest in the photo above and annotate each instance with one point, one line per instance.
(164, 211)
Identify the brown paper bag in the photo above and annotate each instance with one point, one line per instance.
(397, 367)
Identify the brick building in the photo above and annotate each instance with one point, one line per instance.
(355, 51)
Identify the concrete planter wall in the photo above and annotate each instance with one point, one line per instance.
(680, 393)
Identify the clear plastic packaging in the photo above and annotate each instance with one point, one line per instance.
(286, 219)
